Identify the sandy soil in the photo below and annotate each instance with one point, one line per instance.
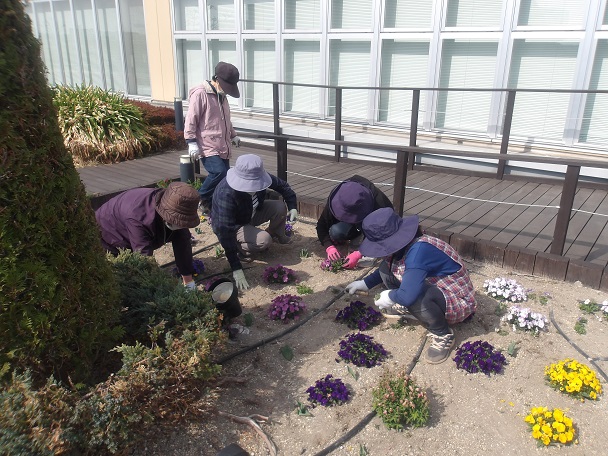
(471, 414)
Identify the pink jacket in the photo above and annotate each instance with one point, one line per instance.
(208, 121)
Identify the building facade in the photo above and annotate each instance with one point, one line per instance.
(158, 49)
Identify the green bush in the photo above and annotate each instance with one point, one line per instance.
(58, 299)
(99, 126)
(164, 375)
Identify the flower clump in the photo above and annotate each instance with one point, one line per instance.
(590, 306)
(197, 266)
(505, 290)
(279, 274)
(288, 228)
(359, 316)
(400, 402)
(479, 356)
(524, 319)
(574, 379)
(550, 426)
(361, 350)
(286, 307)
(333, 265)
(328, 391)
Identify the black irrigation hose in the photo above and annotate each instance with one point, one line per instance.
(576, 347)
(367, 418)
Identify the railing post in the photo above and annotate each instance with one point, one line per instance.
(178, 107)
(506, 133)
(565, 209)
(400, 178)
(414, 126)
(280, 145)
(338, 123)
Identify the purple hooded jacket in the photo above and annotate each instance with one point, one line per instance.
(130, 221)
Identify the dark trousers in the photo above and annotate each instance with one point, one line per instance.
(341, 232)
(429, 308)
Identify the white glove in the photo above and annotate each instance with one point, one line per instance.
(236, 141)
(193, 150)
(293, 215)
(357, 285)
(190, 285)
(239, 278)
(384, 302)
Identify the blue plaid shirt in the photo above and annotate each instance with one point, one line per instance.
(232, 209)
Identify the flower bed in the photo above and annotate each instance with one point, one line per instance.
(328, 391)
(361, 350)
(573, 378)
(479, 356)
(550, 426)
(286, 307)
(359, 316)
(279, 274)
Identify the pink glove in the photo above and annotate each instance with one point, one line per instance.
(352, 260)
(332, 253)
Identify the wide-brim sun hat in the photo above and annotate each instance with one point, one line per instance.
(228, 77)
(248, 174)
(386, 233)
(178, 205)
(351, 202)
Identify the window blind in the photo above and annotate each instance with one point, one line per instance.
(222, 51)
(474, 13)
(594, 125)
(260, 65)
(67, 42)
(351, 14)
(408, 14)
(221, 15)
(190, 64)
(136, 52)
(561, 14)
(88, 44)
(302, 14)
(302, 64)
(46, 34)
(466, 64)
(258, 14)
(404, 64)
(110, 45)
(187, 16)
(349, 65)
(537, 64)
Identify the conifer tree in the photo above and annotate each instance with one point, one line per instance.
(58, 299)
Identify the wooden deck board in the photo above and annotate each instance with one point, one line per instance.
(314, 177)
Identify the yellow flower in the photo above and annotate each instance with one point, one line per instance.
(530, 419)
(558, 415)
(536, 434)
(546, 429)
(568, 421)
(546, 440)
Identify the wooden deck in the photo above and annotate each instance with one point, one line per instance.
(468, 211)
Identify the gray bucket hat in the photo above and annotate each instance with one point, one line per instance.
(178, 205)
(351, 202)
(385, 232)
(248, 174)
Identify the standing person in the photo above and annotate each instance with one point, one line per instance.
(208, 129)
(145, 219)
(347, 205)
(425, 277)
(243, 206)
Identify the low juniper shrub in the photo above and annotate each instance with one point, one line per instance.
(328, 391)
(359, 316)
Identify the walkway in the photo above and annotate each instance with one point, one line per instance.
(464, 210)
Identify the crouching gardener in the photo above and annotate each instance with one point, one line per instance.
(145, 219)
(425, 277)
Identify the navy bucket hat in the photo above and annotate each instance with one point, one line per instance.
(350, 202)
(385, 232)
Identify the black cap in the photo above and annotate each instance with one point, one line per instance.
(228, 76)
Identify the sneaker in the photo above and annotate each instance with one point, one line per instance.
(365, 262)
(244, 257)
(398, 312)
(440, 348)
(283, 239)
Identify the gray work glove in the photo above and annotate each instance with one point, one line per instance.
(239, 278)
(236, 141)
(293, 215)
(194, 151)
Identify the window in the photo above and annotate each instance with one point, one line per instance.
(351, 14)
(404, 64)
(67, 43)
(258, 14)
(537, 64)
(594, 126)
(302, 64)
(109, 32)
(87, 39)
(562, 14)
(190, 67)
(187, 17)
(46, 34)
(464, 64)
(302, 14)
(135, 49)
(220, 15)
(223, 51)
(260, 64)
(408, 14)
(349, 66)
(474, 13)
